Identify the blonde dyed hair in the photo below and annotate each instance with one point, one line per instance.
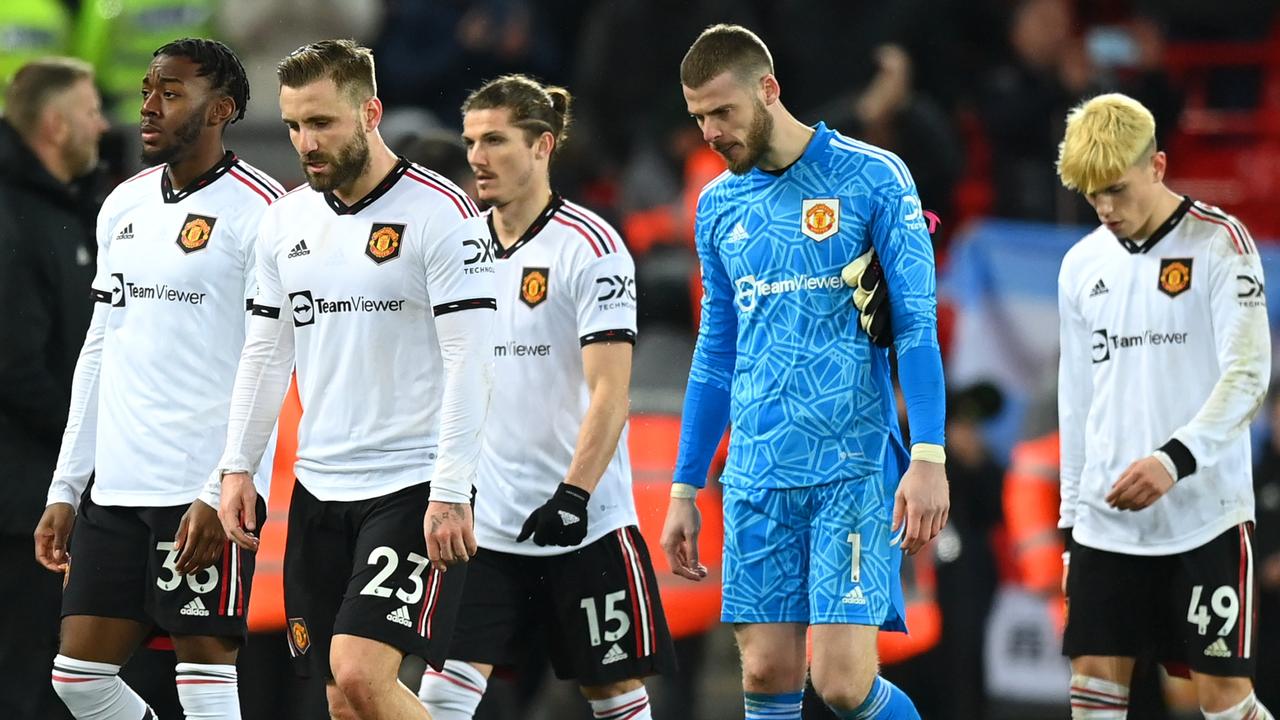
(1105, 136)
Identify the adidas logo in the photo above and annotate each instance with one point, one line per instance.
(299, 250)
(1099, 289)
(126, 233)
(569, 518)
(855, 596)
(614, 655)
(401, 616)
(195, 607)
(739, 233)
(1218, 649)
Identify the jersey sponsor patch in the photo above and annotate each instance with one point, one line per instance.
(533, 285)
(1175, 276)
(384, 242)
(196, 231)
(299, 637)
(820, 217)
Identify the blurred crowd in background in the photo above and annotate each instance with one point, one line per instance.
(972, 94)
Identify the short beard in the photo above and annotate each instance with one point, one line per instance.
(344, 169)
(183, 140)
(757, 141)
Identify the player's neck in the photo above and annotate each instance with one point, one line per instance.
(1166, 206)
(513, 218)
(203, 157)
(381, 161)
(788, 142)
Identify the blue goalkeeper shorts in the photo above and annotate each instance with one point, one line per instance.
(814, 555)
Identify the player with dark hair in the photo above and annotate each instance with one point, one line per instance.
(818, 480)
(151, 389)
(560, 555)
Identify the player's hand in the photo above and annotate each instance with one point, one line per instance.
(562, 520)
(450, 537)
(870, 296)
(200, 539)
(1141, 484)
(680, 538)
(921, 505)
(52, 534)
(239, 510)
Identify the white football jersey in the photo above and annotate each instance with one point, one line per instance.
(566, 283)
(358, 292)
(152, 387)
(1165, 345)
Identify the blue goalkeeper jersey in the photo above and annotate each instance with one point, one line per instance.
(810, 397)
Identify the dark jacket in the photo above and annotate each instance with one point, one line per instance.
(47, 259)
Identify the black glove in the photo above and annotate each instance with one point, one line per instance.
(870, 296)
(562, 520)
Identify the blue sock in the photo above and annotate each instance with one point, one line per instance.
(884, 702)
(771, 706)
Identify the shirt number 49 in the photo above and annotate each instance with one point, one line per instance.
(1225, 605)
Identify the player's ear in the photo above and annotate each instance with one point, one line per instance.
(544, 146)
(1159, 163)
(371, 114)
(221, 111)
(769, 86)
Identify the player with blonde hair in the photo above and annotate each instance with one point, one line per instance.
(1165, 360)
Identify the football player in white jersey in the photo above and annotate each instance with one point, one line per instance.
(367, 282)
(150, 396)
(560, 551)
(1166, 356)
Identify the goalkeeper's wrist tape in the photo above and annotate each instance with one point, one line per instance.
(683, 491)
(929, 452)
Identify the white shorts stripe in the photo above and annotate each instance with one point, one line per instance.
(1246, 602)
(233, 580)
(429, 605)
(642, 599)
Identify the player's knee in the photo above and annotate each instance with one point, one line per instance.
(339, 708)
(604, 692)
(844, 689)
(359, 683)
(771, 673)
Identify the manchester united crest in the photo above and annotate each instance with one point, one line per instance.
(195, 234)
(384, 242)
(299, 638)
(533, 285)
(820, 217)
(1175, 276)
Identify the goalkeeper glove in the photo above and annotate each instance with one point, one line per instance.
(870, 296)
(562, 520)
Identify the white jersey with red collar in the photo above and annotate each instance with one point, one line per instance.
(152, 386)
(359, 296)
(1165, 345)
(566, 283)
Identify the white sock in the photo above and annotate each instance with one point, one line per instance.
(1248, 709)
(1097, 699)
(94, 691)
(633, 705)
(453, 693)
(208, 692)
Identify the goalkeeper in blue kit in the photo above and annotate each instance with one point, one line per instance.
(820, 496)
